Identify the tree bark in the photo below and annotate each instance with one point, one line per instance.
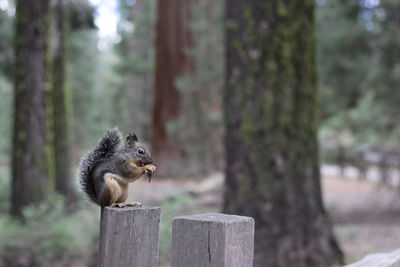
(172, 41)
(61, 105)
(270, 101)
(30, 177)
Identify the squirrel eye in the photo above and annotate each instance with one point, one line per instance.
(140, 151)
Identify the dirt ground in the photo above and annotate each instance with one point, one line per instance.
(366, 215)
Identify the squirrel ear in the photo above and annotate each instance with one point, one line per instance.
(130, 139)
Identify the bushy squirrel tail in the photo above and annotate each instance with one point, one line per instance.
(108, 146)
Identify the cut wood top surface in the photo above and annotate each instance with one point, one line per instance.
(215, 217)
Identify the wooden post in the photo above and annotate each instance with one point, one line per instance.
(129, 237)
(213, 239)
(391, 259)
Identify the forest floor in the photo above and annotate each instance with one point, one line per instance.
(366, 215)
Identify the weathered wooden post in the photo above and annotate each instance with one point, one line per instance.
(213, 239)
(129, 237)
(391, 259)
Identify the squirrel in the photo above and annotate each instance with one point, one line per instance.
(105, 172)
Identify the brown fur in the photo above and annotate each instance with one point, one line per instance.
(118, 187)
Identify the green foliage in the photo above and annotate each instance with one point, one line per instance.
(6, 58)
(359, 69)
(5, 115)
(87, 74)
(133, 68)
(86, 77)
(199, 129)
(344, 60)
(6, 43)
(81, 15)
(4, 190)
(49, 236)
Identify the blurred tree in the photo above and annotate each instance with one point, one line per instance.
(200, 114)
(6, 51)
(199, 127)
(81, 15)
(6, 67)
(271, 114)
(344, 59)
(61, 104)
(134, 69)
(172, 42)
(358, 65)
(85, 65)
(384, 99)
(84, 77)
(30, 181)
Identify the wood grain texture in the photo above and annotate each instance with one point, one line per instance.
(391, 259)
(129, 237)
(212, 240)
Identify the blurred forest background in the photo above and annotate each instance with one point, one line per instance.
(158, 68)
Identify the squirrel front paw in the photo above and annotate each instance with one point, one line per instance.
(150, 168)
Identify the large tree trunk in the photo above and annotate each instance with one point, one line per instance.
(172, 42)
(61, 105)
(29, 157)
(270, 100)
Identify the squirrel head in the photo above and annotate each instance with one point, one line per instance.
(135, 151)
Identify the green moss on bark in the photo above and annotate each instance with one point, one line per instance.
(30, 182)
(271, 122)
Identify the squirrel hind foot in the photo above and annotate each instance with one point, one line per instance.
(126, 204)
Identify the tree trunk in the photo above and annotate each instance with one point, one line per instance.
(172, 41)
(29, 158)
(61, 105)
(270, 101)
